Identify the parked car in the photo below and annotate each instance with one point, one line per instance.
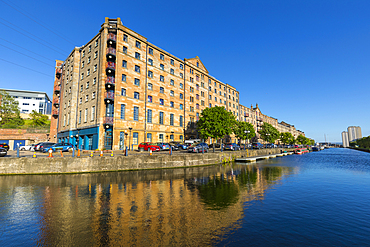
(232, 147)
(3, 152)
(183, 146)
(270, 145)
(192, 141)
(64, 147)
(37, 146)
(198, 148)
(175, 145)
(5, 146)
(163, 145)
(27, 147)
(247, 146)
(217, 145)
(175, 148)
(257, 145)
(45, 145)
(149, 145)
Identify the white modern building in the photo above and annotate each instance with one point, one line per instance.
(345, 139)
(354, 133)
(31, 100)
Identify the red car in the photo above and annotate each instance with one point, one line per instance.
(149, 145)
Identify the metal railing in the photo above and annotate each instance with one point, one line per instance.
(112, 36)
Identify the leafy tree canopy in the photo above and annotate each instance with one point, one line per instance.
(301, 139)
(293, 141)
(9, 111)
(241, 127)
(215, 122)
(286, 137)
(269, 133)
(38, 119)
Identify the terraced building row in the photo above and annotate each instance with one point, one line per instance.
(119, 90)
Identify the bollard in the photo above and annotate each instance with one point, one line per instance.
(61, 153)
(18, 151)
(202, 149)
(92, 154)
(132, 147)
(34, 155)
(111, 154)
(50, 153)
(78, 153)
(73, 152)
(126, 154)
(150, 151)
(170, 150)
(101, 153)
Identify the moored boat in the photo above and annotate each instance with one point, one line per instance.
(301, 151)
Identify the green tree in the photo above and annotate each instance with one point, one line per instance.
(38, 119)
(293, 141)
(9, 111)
(312, 142)
(215, 122)
(286, 137)
(307, 141)
(269, 133)
(241, 127)
(301, 139)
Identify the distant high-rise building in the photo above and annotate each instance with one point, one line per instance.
(354, 133)
(345, 139)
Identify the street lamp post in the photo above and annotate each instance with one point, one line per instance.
(73, 147)
(129, 139)
(126, 153)
(77, 141)
(246, 132)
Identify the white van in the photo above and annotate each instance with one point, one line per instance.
(192, 141)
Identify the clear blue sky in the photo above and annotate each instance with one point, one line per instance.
(304, 62)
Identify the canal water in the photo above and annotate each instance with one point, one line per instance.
(316, 199)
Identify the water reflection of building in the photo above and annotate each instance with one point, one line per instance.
(154, 208)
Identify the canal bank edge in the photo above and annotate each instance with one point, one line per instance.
(43, 165)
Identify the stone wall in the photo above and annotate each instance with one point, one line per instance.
(118, 163)
(22, 134)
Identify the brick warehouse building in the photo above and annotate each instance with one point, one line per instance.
(120, 90)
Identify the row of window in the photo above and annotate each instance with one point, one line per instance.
(89, 48)
(151, 75)
(92, 116)
(161, 78)
(149, 119)
(67, 117)
(16, 97)
(69, 90)
(150, 51)
(88, 60)
(88, 71)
